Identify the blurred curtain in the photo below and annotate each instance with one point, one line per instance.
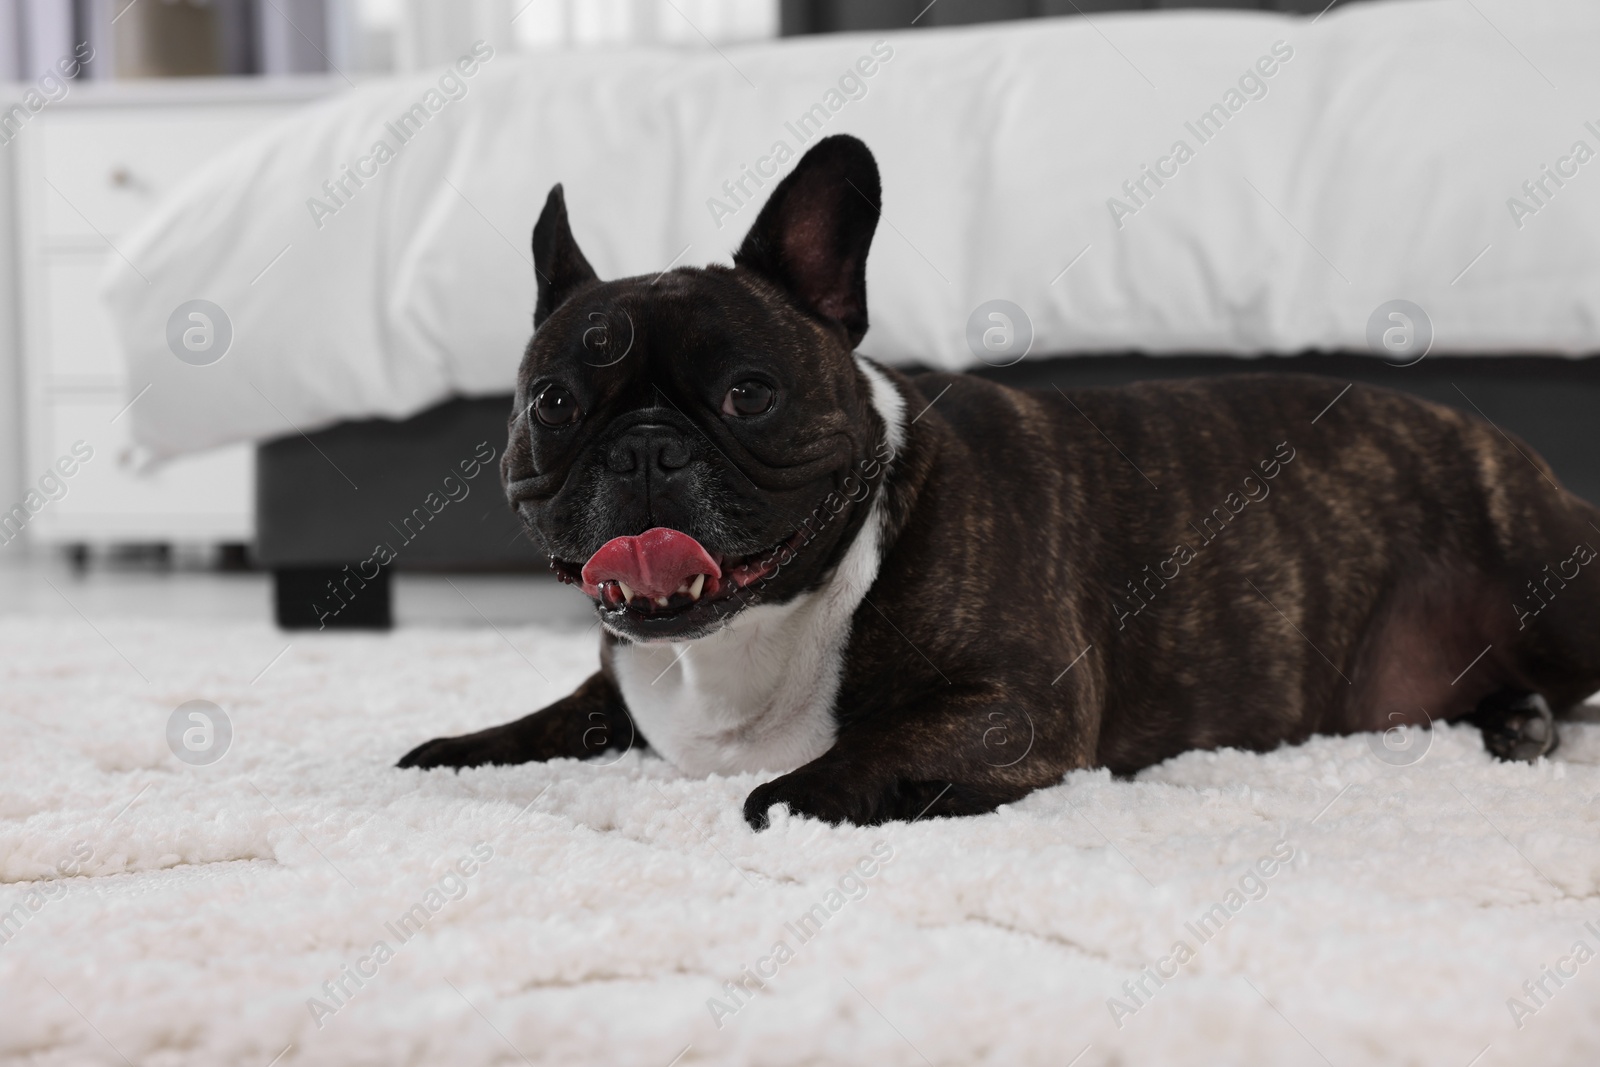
(432, 33)
(554, 23)
(10, 42)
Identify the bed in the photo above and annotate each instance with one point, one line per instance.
(1404, 150)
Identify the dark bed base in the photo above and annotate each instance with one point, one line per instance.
(327, 502)
(338, 510)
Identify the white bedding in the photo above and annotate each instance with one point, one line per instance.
(1379, 164)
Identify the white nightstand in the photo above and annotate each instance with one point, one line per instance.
(86, 170)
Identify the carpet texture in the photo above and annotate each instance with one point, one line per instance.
(1312, 905)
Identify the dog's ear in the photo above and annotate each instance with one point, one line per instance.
(813, 233)
(558, 262)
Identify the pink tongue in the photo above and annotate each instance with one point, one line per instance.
(655, 563)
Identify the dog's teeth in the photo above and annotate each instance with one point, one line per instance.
(661, 601)
(627, 594)
(695, 586)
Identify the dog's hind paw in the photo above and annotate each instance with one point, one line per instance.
(1516, 726)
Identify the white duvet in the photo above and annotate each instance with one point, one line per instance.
(1233, 182)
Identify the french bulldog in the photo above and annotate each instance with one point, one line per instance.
(933, 594)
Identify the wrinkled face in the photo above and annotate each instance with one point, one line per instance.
(676, 438)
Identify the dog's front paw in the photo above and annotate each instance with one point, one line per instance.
(497, 745)
(1517, 727)
(811, 794)
(838, 795)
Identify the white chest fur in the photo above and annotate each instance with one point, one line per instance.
(756, 695)
(759, 693)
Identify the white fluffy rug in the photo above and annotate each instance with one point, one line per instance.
(208, 905)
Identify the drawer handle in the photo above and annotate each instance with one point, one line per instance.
(121, 177)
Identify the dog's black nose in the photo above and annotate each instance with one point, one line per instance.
(648, 445)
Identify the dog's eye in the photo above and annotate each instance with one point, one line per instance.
(748, 398)
(555, 406)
